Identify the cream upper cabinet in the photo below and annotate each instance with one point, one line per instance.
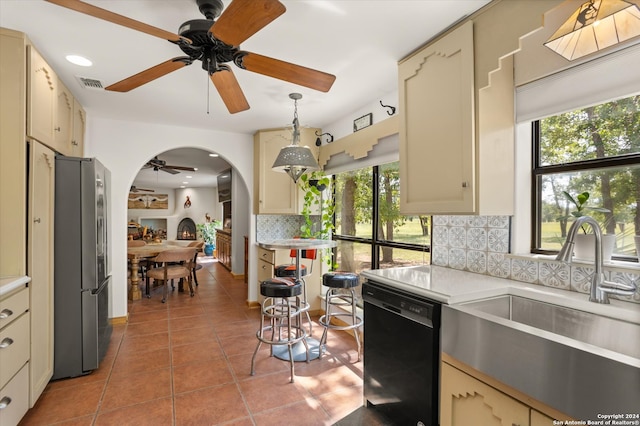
(276, 192)
(464, 400)
(40, 265)
(42, 99)
(437, 152)
(54, 117)
(63, 119)
(452, 159)
(13, 160)
(70, 123)
(79, 126)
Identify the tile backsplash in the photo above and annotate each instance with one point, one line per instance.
(481, 244)
(274, 227)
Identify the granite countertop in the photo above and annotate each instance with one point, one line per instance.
(8, 284)
(452, 287)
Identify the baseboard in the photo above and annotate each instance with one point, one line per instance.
(252, 304)
(237, 276)
(119, 320)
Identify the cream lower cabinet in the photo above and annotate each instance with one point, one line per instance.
(539, 419)
(14, 356)
(268, 259)
(276, 193)
(465, 400)
(40, 265)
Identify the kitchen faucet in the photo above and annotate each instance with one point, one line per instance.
(600, 288)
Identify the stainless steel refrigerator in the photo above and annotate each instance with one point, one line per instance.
(82, 267)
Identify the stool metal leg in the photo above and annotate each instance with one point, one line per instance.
(281, 313)
(354, 320)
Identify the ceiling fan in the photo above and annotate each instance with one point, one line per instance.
(214, 43)
(136, 189)
(157, 164)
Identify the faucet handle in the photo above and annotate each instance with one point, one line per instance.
(622, 289)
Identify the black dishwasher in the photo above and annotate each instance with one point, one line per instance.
(401, 355)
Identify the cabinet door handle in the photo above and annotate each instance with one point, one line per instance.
(6, 313)
(36, 220)
(6, 342)
(464, 185)
(74, 143)
(4, 402)
(57, 129)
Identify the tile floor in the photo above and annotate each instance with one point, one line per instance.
(187, 362)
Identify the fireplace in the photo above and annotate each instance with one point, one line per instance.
(186, 229)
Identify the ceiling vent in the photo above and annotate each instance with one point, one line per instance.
(90, 83)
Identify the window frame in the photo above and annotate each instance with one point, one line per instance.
(537, 171)
(374, 241)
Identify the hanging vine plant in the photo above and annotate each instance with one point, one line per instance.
(315, 185)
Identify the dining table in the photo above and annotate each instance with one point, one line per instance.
(134, 254)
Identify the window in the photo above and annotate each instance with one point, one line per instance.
(594, 150)
(370, 230)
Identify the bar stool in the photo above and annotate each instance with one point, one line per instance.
(280, 312)
(289, 270)
(334, 299)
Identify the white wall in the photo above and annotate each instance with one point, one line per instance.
(123, 147)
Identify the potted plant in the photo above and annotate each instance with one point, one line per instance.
(584, 248)
(208, 232)
(317, 209)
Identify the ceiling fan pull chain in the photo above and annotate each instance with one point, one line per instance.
(208, 74)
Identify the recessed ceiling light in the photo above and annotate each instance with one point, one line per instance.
(79, 60)
(182, 186)
(186, 183)
(213, 155)
(189, 177)
(195, 169)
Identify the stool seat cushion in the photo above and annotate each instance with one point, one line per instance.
(289, 270)
(340, 279)
(280, 287)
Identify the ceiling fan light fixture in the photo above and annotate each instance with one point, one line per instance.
(79, 60)
(295, 160)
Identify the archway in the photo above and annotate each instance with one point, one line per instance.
(176, 190)
(123, 147)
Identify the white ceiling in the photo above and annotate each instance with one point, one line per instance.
(358, 41)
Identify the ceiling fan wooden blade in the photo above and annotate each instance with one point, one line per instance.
(170, 171)
(136, 189)
(243, 18)
(150, 74)
(230, 91)
(286, 71)
(89, 9)
(187, 169)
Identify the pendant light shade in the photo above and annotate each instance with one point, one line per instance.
(295, 160)
(597, 24)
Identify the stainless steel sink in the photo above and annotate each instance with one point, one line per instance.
(604, 332)
(580, 363)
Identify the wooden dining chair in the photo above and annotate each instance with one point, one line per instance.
(173, 264)
(198, 245)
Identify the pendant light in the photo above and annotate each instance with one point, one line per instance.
(294, 159)
(595, 25)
